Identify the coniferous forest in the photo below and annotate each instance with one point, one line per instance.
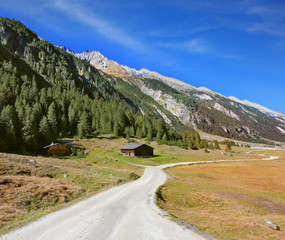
(46, 94)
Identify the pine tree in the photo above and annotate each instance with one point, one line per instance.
(52, 120)
(63, 125)
(28, 133)
(229, 147)
(164, 138)
(132, 131)
(44, 131)
(158, 135)
(83, 127)
(122, 121)
(127, 132)
(203, 143)
(9, 122)
(149, 134)
(216, 144)
(139, 132)
(115, 131)
(197, 139)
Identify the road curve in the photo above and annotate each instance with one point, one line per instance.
(124, 212)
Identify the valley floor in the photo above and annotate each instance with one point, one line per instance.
(32, 187)
(229, 200)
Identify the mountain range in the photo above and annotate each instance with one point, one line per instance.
(146, 92)
(200, 107)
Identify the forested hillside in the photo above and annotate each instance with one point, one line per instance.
(178, 102)
(46, 93)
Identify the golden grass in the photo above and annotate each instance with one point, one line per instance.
(21, 194)
(229, 200)
(101, 169)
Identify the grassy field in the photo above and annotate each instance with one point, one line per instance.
(229, 200)
(109, 149)
(31, 187)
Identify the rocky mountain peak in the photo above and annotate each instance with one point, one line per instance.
(108, 66)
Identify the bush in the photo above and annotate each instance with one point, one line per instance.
(133, 176)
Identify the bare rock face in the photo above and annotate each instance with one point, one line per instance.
(11, 39)
(209, 111)
(177, 109)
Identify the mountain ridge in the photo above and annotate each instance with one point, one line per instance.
(145, 73)
(142, 91)
(199, 107)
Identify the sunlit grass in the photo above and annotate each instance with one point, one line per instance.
(229, 200)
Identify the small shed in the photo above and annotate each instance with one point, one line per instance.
(137, 150)
(57, 149)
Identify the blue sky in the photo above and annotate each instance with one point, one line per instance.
(236, 48)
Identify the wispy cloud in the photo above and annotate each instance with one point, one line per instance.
(104, 27)
(267, 19)
(197, 45)
(201, 46)
(260, 10)
(268, 28)
(180, 32)
(194, 45)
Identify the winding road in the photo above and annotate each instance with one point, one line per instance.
(121, 213)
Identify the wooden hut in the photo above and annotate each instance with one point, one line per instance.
(137, 150)
(57, 149)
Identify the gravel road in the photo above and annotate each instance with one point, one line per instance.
(121, 213)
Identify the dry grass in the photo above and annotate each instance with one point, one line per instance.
(101, 169)
(229, 200)
(21, 194)
(31, 187)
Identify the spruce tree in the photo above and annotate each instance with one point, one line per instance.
(229, 147)
(164, 138)
(139, 133)
(216, 144)
(115, 131)
(44, 132)
(149, 134)
(52, 120)
(83, 127)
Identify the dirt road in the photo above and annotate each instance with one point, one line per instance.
(121, 213)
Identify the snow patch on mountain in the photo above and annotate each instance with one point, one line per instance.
(226, 111)
(258, 107)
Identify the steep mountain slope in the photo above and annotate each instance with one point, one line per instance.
(199, 107)
(46, 93)
(67, 78)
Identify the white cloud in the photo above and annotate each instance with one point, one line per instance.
(104, 27)
(198, 46)
(260, 10)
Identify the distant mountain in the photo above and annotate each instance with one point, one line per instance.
(199, 107)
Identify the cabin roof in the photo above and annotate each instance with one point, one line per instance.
(133, 146)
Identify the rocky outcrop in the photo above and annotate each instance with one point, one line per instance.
(177, 109)
(234, 117)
